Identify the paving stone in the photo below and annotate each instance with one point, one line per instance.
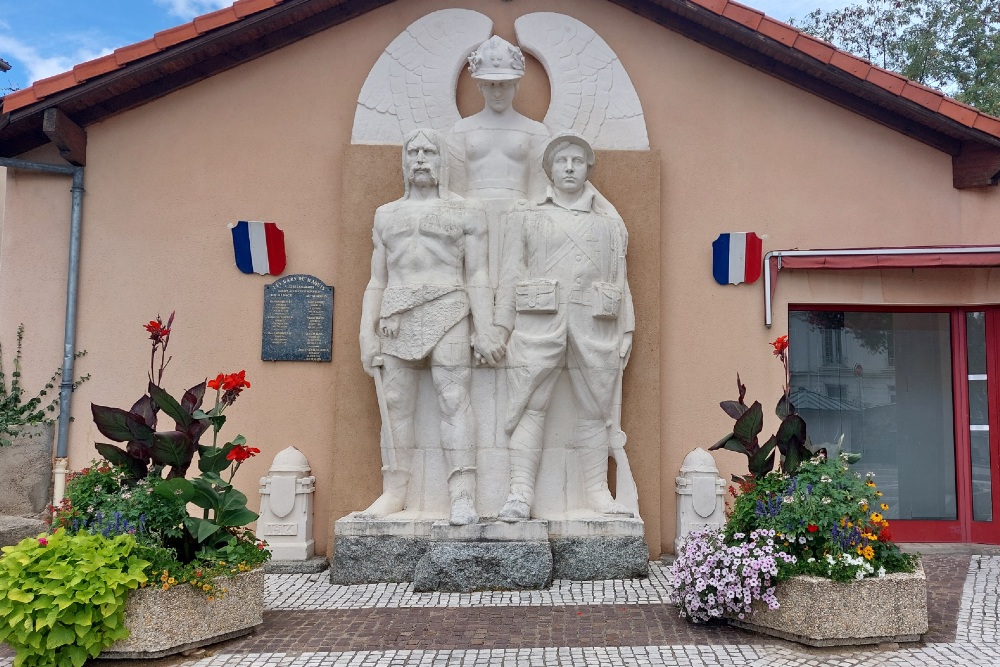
(311, 623)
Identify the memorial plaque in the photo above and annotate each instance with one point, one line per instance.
(298, 320)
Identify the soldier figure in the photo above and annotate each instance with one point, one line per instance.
(564, 300)
(428, 272)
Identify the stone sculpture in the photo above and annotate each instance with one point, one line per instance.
(479, 217)
(564, 300)
(286, 497)
(701, 496)
(428, 272)
(497, 152)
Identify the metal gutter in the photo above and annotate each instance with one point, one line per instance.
(72, 291)
(860, 252)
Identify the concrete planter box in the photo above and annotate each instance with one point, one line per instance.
(821, 612)
(181, 618)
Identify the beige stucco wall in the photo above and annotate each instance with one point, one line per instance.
(739, 151)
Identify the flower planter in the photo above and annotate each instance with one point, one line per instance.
(822, 612)
(167, 622)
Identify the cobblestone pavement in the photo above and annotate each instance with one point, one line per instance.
(310, 623)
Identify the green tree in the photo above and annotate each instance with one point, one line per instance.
(953, 46)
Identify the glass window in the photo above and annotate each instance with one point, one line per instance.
(891, 399)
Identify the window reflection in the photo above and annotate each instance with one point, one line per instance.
(884, 381)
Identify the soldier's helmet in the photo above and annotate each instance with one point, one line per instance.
(496, 59)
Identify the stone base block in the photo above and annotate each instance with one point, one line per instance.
(373, 559)
(463, 567)
(310, 566)
(594, 558)
(13, 529)
(167, 622)
(821, 612)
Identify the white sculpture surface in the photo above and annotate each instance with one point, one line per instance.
(592, 93)
(531, 438)
(413, 82)
(496, 153)
(286, 496)
(564, 300)
(701, 495)
(428, 272)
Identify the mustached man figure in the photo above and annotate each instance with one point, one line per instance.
(564, 299)
(428, 273)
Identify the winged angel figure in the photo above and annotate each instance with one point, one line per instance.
(413, 83)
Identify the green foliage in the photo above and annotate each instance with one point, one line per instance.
(954, 46)
(62, 596)
(827, 516)
(790, 440)
(105, 498)
(16, 409)
(224, 506)
(148, 450)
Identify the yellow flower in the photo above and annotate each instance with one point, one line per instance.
(868, 553)
(864, 507)
(860, 550)
(870, 483)
(884, 507)
(166, 586)
(878, 494)
(206, 588)
(171, 581)
(876, 518)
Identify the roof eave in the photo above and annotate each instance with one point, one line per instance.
(975, 153)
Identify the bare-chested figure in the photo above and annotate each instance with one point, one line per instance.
(497, 152)
(428, 272)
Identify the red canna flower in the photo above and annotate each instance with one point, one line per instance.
(235, 381)
(217, 382)
(780, 344)
(812, 528)
(241, 453)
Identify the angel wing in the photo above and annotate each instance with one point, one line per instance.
(413, 82)
(591, 92)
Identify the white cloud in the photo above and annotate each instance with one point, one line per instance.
(38, 65)
(188, 9)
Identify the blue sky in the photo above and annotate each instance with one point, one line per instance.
(40, 38)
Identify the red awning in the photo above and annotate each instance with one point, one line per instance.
(872, 258)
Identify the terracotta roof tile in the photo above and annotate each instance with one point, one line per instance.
(852, 64)
(885, 79)
(746, 16)
(963, 113)
(988, 124)
(19, 98)
(248, 7)
(816, 48)
(215, 20)
(922, 95)
(54, 84)
(95, 67)
(170, 36)
(717, 6)
(751, 18)
(777, 30)
(127, 54)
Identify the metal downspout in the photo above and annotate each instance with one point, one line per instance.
(72, 289)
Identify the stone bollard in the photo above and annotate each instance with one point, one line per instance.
(701, 501)
(286, 507)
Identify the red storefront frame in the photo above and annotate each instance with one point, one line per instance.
(964, 528)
